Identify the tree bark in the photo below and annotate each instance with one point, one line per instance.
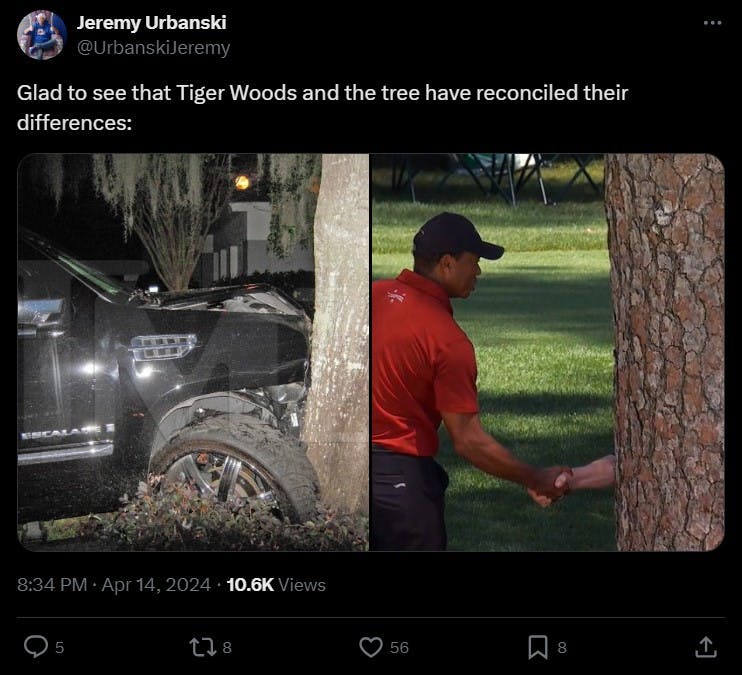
(336, 427)
(666, 241)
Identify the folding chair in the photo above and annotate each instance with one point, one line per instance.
(492, 173)
(500, 169)
(406, 167)
(582, 164)
(532, 166)
(491, 166)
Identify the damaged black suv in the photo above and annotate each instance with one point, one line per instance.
(206, 386)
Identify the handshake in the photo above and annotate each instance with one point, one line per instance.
(555, 482)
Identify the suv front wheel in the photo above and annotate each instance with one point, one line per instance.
(244, 457)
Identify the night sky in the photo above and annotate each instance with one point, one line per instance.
(84, 225)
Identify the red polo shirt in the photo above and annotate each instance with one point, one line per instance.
(422, 363)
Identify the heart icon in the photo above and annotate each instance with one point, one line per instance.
(371, 646)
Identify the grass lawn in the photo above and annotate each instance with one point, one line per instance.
(540, 321)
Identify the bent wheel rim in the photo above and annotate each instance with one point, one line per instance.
(222, 476)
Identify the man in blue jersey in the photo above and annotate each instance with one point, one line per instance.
(43, 36)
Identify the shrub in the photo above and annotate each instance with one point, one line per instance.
(177, 518)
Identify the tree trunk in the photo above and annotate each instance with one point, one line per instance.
(336, 428)
(666, 240)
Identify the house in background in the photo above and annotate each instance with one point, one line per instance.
(238, 244)
(127, 270)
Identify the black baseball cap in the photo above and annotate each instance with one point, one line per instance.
(454, 234)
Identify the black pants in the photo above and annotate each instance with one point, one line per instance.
(407, 500)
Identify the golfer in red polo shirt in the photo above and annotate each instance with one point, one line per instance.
(423, 370)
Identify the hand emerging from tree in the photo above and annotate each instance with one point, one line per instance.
(550, 483)
(598, 474)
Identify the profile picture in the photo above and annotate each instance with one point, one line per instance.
(42, 34)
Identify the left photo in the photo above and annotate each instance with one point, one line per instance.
(192, 352)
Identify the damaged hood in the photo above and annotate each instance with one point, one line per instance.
(251, 298)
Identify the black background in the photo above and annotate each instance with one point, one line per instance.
(682, 87)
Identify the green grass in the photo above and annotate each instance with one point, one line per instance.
(526, 227)
(577, 224)
(540, 321)
(56, 530)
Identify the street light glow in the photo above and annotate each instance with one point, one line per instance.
(242, 182)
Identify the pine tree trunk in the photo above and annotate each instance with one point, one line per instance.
(336, 427)
(666, 240)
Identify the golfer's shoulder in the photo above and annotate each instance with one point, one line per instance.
(397, 293)
(381, 284)
(452, 337)
(444, 331)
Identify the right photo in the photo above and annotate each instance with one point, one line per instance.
(547, 352)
